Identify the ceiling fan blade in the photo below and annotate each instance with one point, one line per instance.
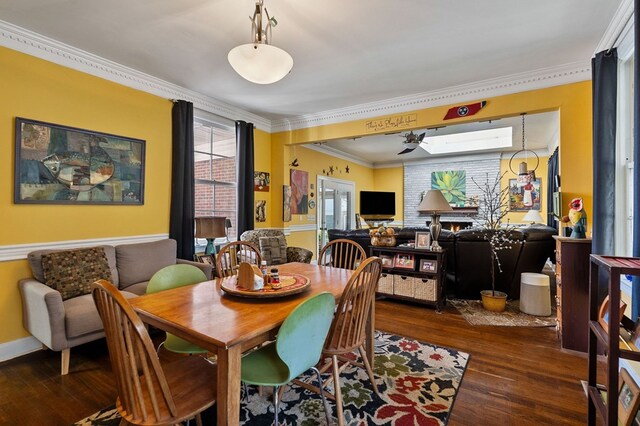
(406, 151)
(421, 137)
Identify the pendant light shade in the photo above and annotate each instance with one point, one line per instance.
(525, 174)
(259, 61)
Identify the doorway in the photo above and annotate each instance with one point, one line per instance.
(336, 207)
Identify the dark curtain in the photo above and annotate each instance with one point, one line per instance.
(636, 160)
(244, 153)
(182, 180)
(604, 68)
(552, 187)
(605, 86)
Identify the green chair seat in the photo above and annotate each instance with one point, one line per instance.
(264, 367)
(175, 276)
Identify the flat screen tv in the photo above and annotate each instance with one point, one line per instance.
(377, 204)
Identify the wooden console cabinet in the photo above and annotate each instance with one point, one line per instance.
(424, 285)
(572, 299)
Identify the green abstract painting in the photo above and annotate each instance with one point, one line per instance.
(452, 184)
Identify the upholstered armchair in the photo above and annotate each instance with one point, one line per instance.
(273, 247)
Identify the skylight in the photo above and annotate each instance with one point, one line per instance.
(480, 140)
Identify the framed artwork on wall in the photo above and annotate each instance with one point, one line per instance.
(57, 164)
(524, 196)
(299, 192)
(452, 184)
(261, 181)
(261, 210)
(286, 203)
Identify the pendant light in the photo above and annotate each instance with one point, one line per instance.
(524, 173)
(259, 61)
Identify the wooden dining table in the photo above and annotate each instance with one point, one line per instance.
(229, 325)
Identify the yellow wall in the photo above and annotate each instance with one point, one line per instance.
(573, 101)
(541, 172)
(40, 90)
(391, 180)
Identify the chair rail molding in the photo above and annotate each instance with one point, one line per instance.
(20, 251)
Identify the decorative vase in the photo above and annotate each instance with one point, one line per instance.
(494, 301)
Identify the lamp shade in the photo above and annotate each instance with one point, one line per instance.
(434, 201)
(210, 227)
(260, 63)
(533, 216)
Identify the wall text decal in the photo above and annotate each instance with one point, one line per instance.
(392, 123)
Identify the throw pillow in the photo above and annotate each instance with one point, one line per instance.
(273, 250)
(72, 272)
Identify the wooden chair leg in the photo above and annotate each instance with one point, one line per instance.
(65, 357)
(337, 392)
(367, 365)
(198, 420)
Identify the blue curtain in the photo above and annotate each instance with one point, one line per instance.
(181, 220)
(244, 153)
(636, 160)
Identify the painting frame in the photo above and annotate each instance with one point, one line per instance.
(286, 203)
(429, 266)
(209, 259)
(604, 313)
(518, 195)
(404, 261)
(387, 261)
(628, 398)
(452, 184)
(261, 181)
(423, 240)
(299, 182)
(57, 164)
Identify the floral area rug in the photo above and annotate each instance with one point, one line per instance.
(417, 381)
(475, 314)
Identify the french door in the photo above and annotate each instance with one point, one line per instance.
(336, 206)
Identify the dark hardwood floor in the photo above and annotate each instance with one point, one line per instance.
(516, 376)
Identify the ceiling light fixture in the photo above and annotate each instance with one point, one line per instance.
(525, 174)
(258, 61)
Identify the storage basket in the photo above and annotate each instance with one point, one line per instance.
(425, 289)
(403, 285)
(385, 284)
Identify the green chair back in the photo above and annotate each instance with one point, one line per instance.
(302, 335)
(175, 276)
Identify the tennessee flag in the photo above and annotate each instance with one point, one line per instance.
(464, 110)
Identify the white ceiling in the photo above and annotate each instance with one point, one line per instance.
(345, 52)
(542, 132)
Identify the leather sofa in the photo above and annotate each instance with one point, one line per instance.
(469, 256)
(62, 324)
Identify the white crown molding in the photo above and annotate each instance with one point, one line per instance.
(532, 80)
(19, 347)
(20, 251)
(25, 41)
(620, 19)
(338, 154)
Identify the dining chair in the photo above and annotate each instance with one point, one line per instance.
(342, 253)
(348, 330)
(231, 255)
(297, 348)
(174, 276)
(148, 393)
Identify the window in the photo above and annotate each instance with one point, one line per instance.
(215, 171)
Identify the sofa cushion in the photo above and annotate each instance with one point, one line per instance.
(72, 272)
(35, 262)
(81, 315)
(138, 262)
(273, 250)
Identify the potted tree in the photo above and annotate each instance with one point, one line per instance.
(492, 209)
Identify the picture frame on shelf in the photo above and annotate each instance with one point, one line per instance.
(209, 259)
(404, 261)
(423, 240)
(628, 399)
(429, 265)
(387, 261)
(604, 313)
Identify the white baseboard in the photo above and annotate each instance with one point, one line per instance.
(19, 347)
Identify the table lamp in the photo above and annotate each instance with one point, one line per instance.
(533, 216)
(210, 227)
(434, 203)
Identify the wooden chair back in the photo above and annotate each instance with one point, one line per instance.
(342, 253)
(231, 255)
(348, 329)
(144, 396)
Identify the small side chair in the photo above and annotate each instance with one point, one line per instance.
(175, 276)
(145, 390)
(229, 257)
(342, 253)
(297, 348)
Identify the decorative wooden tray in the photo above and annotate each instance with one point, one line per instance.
(290, 284)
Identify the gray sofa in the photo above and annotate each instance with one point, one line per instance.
(61, 325)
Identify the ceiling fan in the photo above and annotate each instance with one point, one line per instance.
(411, 141)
